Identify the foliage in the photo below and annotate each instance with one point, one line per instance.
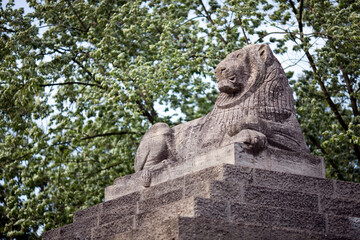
(81, 81)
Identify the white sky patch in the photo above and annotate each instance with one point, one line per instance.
(18, 4)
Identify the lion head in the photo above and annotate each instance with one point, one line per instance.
(247, 71)
(243, 70)
(253, 85)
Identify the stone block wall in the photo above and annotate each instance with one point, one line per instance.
(225, 202)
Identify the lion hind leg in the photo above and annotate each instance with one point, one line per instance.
(154, 147)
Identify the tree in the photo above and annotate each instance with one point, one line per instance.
(81, 81)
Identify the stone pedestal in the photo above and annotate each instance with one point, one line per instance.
(227, 194)
(235, 154)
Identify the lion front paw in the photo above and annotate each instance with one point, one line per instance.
(255, 141)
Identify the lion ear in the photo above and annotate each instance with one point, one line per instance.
(265, 52)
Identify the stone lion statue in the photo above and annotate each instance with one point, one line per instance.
(255, 107)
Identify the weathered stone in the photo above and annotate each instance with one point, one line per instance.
(152, 203)
(211, 173)
(184, 207)
(198, 189)
(53, 234)
(79, 235)
(168, 229)
(234, 173)
(344, 226)
(208, 208)
(88, 212)
(203, 228)
(324, 186)
(186, 228)
(280, 198)
(269, 159)
(239, 203)
(280, 180)
(120, 201)
(340, 206)
(255, 232)
(123, 186)
(250, 232)
(115, 212)
(226, 191)
(79, 230)
(211, 163)
(197, 184)
(162, 188)
(277, 217)
(348, 190)
(106, 231)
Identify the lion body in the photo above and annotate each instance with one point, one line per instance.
(255, 106)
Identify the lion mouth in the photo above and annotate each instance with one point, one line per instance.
(229, 86)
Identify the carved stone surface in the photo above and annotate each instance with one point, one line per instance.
(255, 107)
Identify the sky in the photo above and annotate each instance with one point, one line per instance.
(18, 4)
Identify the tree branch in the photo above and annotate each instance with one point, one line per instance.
(70, 83)
(77, 16)
(332, 105)
(350, 91)
(326, 93)
(148, 115)
(107, 134)
(86, 70)
(246, 39)
(292, 4)
(318, 77)
(300, 15)
(211, 21)
(331, 161)
(8, 30)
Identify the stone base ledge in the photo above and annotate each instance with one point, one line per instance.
(235, 153)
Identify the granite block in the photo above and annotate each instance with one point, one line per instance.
(113, 214)
(203, 228)
(79, 230)
(281, 198)
(277, 217)
(292, 182)
(211, 173)
(129, 199)
(347, 190)
(162, 188)
(208, 208)
(88, 212)
(234, 173)
(344, 226)
(183, 207)
(152, 203)
(53, 234)
(227, 191)
(340, 206)
(106, 231)
(167, 229)
(197, 189)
